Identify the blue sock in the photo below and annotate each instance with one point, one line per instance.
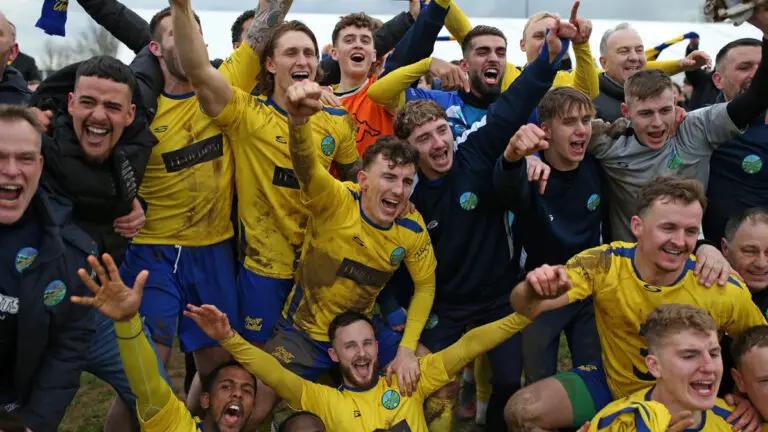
(53, 17)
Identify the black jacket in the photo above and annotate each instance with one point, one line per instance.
(100, 193)
(13, 87)
(53, 340)
(608, 102)
(704, 91)
(28, 68)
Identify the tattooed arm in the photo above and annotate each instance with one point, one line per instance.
(269, 15)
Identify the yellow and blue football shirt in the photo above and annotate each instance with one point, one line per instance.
(623, 300)
(273, 219)
(188, 182)
(638, 412)
(381, 406)
(347, 258)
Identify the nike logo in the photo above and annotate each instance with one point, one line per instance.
(358, 240)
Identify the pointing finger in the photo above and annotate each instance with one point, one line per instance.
(575, 12)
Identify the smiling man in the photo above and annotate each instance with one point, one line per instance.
(626, 281)
(45, 337)
(684, 356)
(365, 401)
(228, 391)
(356, 242)
(648, 150)
(745, 245)
(96, 151)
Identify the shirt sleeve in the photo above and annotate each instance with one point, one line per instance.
(456, 22)
(233, 117)
(630, 416)
(584, 76)
(741, 313)
(319, 190)
(389, 91)
(242, 68)
(587, 271)
(347, 134)
(670, 67)
(157, 407)
(421, 262)
(320, 400)
(473, 344)
(705, 129)
(268, 369)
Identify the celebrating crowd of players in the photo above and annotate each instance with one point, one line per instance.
(260, 209)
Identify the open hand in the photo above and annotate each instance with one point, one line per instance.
(211, 320)
(112, 298)
(406, 367)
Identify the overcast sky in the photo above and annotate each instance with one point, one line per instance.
(24, 13)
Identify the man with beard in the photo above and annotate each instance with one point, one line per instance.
(365, 401)
(488, 73)
(626, 281)
(188, 187)
(228, 390)
(96, 149)
(684, 357)
(737, 180)
(13, 87)
(646, 150)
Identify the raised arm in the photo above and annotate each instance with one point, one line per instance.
(269, 14)
(510, 176)
(215, 324)
(120, 21)
(393, 90)
(488, 138)
(120, 303)
(212, 88)
(480, 340)
(303, 101)
(543, 289)
(419, 41)
(744, 108)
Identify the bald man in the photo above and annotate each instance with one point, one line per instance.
(13, 86)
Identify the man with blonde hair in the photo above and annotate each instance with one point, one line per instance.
(684, 356)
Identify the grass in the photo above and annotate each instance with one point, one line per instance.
(88, 410)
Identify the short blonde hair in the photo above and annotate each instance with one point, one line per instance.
(669, 319)
(539, 16)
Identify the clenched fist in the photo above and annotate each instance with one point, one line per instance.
(528, 140)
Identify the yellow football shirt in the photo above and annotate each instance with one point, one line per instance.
(380, 407)
(348, 259)
(272, 217)
(623, 301)
(188, 182)
(638, 412)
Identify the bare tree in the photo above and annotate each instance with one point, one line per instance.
(92, 41)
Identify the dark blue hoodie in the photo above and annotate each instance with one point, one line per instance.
(13, 87)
